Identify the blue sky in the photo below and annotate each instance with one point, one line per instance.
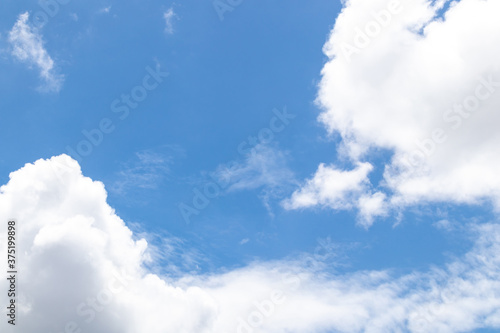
(305, 133)
(225, 79)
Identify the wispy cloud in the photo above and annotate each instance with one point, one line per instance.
(264, 167)
(146, 170)
(169, 255)
(28, 47)
(169, 16)
(105, 10)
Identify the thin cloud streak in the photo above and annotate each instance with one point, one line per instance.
(28, 47)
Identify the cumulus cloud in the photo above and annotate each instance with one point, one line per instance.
(420, 81)
(339, 189)
(28, 46)
(331, 187)
(82, 268)
(371, 206)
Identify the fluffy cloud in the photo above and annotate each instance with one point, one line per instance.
(27, 46)
(82, 269)
(338, 189)
(406, 78)
(331, 187)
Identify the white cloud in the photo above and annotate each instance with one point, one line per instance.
(331, 187)
(169, 16)
(371, 206)
(426, 88)
(80, 265)
(105, 10)
(340, 190)
(167, 254)
(263, 167)
(147, 170)
(28, 46)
